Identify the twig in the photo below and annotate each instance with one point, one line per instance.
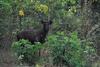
(96, 26)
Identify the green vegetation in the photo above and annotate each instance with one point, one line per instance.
(73, 39)
(67, 50)
(25, 51)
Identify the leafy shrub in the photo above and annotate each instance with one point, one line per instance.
(68, 50)
(26, 51)
(43, 8)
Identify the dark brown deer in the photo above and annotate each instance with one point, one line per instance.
(35, 36)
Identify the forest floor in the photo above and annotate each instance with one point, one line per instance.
(7, 57)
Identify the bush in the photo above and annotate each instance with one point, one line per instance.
(69, 50)
(26, 51)
(64, 50)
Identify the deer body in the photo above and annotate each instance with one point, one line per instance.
(35, 36)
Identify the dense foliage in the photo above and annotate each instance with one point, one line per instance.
(63, 49)
(69, 50)
(28, 9)
(26, 52)
(73, 38)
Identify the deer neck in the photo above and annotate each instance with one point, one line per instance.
(44, 31)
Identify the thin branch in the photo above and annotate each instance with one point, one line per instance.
(96, 26)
